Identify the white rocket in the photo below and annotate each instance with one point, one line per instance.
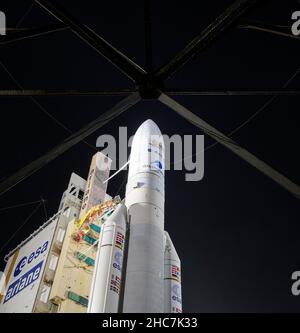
(149, 276)
(106, 283)
(144, 283)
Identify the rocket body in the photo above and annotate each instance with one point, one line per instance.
(148, 279)
(172, 283)
(106, 283)
(144, 282)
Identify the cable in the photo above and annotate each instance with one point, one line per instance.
(59, 123)
(89, 249)
(21, 226)
(265, 105)
(45, 209)
(118, 171)
(245, 23)
(20, 205)
(28, 170)
(24, 16)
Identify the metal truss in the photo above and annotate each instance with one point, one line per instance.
(149, 83)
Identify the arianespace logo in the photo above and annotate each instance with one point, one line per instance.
(23, 282)
(30, 276)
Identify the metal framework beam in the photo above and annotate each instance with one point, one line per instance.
(68, 143)
(206, 37)
(149, 85)
(148, 36)
(118, 59)
(191, 92)
(31, 32)
(231, 145)
(64, 92)
(123, 92)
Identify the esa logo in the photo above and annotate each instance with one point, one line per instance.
(118, 258)
(176, 299)
(27, 260)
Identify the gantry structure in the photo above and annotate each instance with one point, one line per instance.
(150, 83)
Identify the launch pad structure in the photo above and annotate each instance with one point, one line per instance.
(150, 83)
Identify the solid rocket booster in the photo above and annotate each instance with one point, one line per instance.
(106, 283)
(144, 284)
(172, 288)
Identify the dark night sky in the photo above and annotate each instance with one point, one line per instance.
(236, 231)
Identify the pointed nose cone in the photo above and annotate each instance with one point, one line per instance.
(148, 128)
(148, 131)
(147, 149)
(119, 216)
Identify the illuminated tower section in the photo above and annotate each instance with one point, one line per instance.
(95, 188)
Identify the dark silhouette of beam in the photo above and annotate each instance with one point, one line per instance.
(123, 92)
(231, 145)
(68, 143)
(206, 37)
(118, 59)
(194, 92)
(64, 92)
(31, 32)
(148, 36)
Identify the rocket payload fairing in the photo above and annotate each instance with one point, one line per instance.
(148, 277)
